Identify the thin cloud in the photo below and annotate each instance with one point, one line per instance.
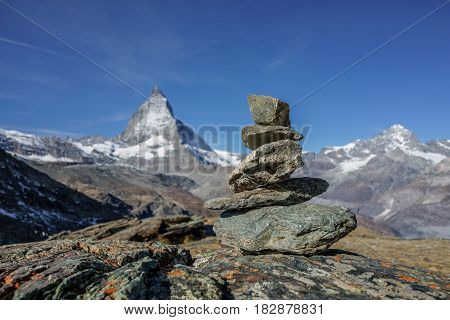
(275, 64)
(18, 72)
(12, 97)
(29, 46)
(15, 112)
(55, 132)
(117, 117)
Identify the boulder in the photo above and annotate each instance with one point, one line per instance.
(131, 270)
(268, 111)
(173, 229)
(299, 229)
(256, 136)
(271, 163)
(335, 274)
(101, 270)
(284, 193)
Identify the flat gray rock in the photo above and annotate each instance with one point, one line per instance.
(268, 111)
(256, 136)
(334, 274)
(284, 193)
(101, 270)
(271, 163)
(299, 229)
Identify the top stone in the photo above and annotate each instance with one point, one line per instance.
(268, 111)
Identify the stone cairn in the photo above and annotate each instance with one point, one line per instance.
(267, 212)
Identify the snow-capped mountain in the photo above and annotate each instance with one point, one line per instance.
(153, 135)
(388, 178)
(393, 177)
(396, 140)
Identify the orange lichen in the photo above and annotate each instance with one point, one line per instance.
(110, 291)
(408, 278)
(252, 279)
(8, 280)
(432, 286)
(230, 274)
(338, 258)
(37, 276)
(176, 273)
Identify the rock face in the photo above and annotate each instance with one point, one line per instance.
(256, 136)
(268, 111)
(273, 162)
(298, 229)
(288, 192)
(133, 270)
(331, 275)
(174, 229)
(101, 270)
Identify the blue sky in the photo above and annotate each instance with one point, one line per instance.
(207, 56)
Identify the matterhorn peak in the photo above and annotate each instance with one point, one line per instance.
(154, 118)
(156, 92)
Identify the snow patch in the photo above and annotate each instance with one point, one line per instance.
(443, 145)
(346, 148)
(433, 157)
(21, 138)
(354, 164)
(228, 158)
(45, 158)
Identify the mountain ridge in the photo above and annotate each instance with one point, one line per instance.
(32, 205)
(153, 134)
(388, 177)
(384, 177)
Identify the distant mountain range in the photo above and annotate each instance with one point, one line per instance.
(393, 179)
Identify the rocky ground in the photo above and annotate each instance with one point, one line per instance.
(111, 269)
(104, 269)
(430, 254)
(125, 260)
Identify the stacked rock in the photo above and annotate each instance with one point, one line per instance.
(267, 211)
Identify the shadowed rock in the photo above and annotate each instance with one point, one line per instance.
(268, 111)
(299, 229)
(175, 229)
(256, 136)
(284, 193)
(271, 163)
